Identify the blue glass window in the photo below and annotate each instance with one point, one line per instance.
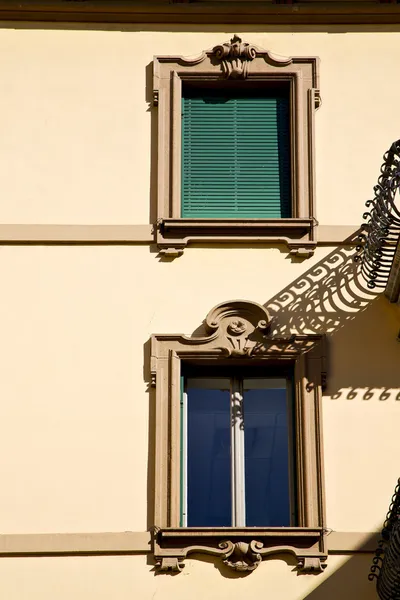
(237, 448)
(267, 469)
(208, 453)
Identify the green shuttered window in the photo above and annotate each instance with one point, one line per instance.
(236, 154)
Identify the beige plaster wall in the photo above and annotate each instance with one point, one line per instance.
(75, 116)
(127, 577)
(73, 362)
(76, 148)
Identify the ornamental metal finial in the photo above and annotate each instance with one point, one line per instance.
(235, 56)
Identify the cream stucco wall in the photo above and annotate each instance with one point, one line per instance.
(75, 115)
(130, 577)
(75, 407)
(75, 320)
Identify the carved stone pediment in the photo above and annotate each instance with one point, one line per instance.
(236, 329)
(240, 326)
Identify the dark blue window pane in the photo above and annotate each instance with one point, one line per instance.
(208, 453)
(267, 469)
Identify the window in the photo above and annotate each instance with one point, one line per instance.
(237, 451)
(235, 148)
(251, 131)
(238, 458)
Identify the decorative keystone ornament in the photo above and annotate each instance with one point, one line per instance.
(242, 556)
(241, 327)
(235, 57)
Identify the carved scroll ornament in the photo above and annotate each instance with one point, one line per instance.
(242, 556)
(235, 57)
(240, 326)
(236, 329)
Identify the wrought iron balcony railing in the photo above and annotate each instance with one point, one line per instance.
(385, 567)
(380, 234)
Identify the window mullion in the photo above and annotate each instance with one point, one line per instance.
(184, 461)
(291, 409)
(237, 454)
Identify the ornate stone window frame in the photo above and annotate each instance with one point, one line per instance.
(240, 61)
(248, 345)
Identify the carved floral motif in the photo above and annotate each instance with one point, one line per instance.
(237, 327)
(235, 57)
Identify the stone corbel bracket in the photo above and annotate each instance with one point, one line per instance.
(317, 98)
(303, 250)
(241, 550)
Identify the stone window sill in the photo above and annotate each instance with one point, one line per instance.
(241, 549)
(173, 235)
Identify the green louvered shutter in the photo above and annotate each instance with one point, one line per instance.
(235, 155)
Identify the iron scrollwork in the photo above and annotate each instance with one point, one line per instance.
(380, 234)
(385, 568)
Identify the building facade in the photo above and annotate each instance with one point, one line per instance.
(131, 280)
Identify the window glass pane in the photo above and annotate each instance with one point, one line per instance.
(267, 426)
(208, 452)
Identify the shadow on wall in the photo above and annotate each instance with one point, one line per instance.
(349, 581)
(323, 299)
(361, 326)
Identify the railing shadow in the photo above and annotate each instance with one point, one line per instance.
(345, 577)
(324, 298)
(333, 298)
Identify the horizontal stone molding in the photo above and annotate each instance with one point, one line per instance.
(139, 542)
(337, 234)
(343, 542)
(71, 234)
(220, 11)
(127, 542)
(146, 234)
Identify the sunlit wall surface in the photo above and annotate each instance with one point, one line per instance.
(78, 147)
